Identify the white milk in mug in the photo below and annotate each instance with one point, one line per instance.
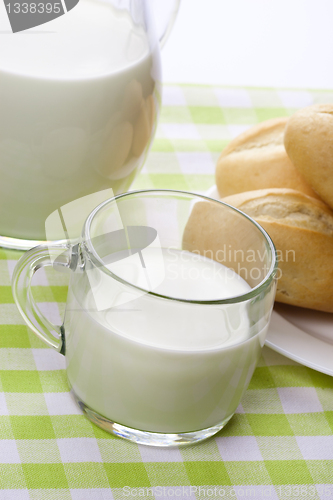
(164, 365)
(78, 108)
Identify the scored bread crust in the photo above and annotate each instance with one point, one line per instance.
(309, 144)
(303, 225)
(257, 159)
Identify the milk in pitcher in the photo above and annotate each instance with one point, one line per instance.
(78, 107)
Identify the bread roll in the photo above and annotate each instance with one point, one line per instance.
(301, 228)
(224, 235)
(257, 159)
(309, 143)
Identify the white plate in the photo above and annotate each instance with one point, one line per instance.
(303, 335)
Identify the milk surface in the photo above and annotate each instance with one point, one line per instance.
(78, 110)
(70, 46)
(164, 365)
(186, 276)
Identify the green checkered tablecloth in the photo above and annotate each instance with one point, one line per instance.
(278, 445)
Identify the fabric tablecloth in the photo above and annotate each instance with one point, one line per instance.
(278, 445)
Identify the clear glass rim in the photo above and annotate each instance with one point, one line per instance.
(86, 239)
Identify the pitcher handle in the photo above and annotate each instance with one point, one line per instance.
(166, 24)
(34, 259)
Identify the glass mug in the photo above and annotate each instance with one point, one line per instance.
(169, 302)
(79, 98)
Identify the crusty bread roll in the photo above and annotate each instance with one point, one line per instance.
(223, 234)
(309, 143)
(301, 228)
(257, 159)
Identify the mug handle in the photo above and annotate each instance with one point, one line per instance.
(41, 256)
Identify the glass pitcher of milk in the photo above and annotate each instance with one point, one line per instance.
(80, 91)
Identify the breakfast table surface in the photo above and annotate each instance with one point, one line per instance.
(279, 443)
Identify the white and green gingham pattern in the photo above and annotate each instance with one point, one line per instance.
(278, 445)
